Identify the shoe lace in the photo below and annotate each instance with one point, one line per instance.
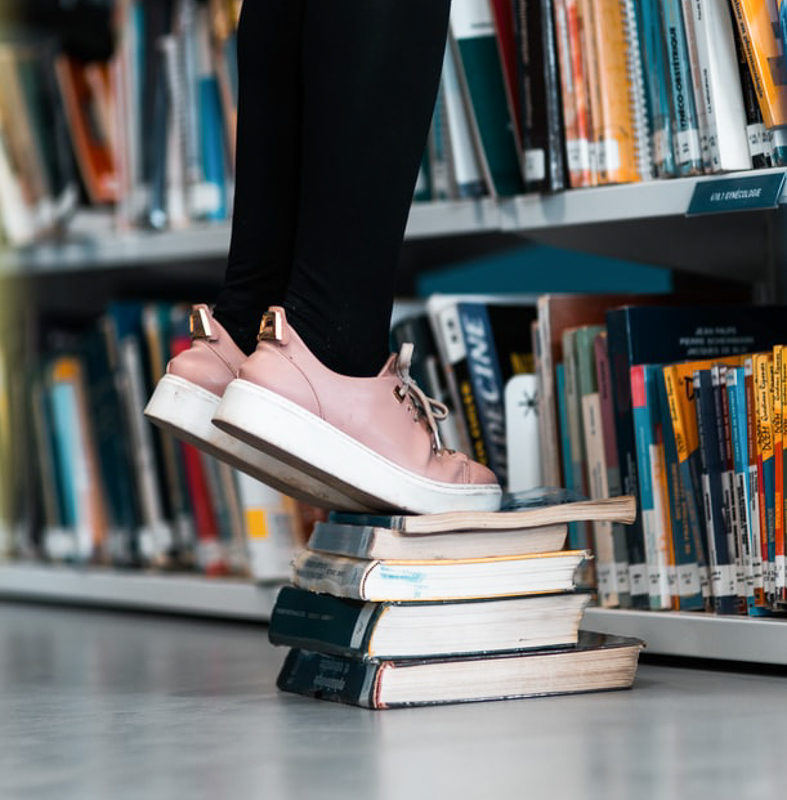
(426, 408)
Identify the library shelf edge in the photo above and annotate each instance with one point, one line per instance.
(668, 633)
(754, 640)
(624, 221)
(169, 593)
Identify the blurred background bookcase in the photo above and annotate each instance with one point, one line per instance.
(645, 222)
(98, 256)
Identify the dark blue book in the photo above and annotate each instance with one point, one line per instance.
(665, 334)
(722, 560)
(498, 345)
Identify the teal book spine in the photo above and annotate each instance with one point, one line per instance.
(565, 448)
(654, 68)
(322, 622)
(688, 151)
(212, 145)
(643, 403)
(685, 530)
(736, 394)
(473, 30)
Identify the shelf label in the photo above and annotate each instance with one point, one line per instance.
(750, 193)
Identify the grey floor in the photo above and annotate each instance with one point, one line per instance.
(102, 705)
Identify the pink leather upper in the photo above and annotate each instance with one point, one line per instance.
(210, 363)
(367, 409)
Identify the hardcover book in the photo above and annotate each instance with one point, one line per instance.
(457, 579)
(379, 541)
(523, 510)
(340, 626)
(598, 662)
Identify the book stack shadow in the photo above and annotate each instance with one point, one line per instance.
(392, 611)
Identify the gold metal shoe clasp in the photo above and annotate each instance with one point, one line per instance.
(199, 324)
(270, 327)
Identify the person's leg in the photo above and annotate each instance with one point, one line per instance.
(370, 69)
(268, 153)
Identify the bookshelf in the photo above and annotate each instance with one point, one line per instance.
(625, 221)
(140, 591)
(645, 222)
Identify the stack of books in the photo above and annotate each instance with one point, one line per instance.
(390, 611)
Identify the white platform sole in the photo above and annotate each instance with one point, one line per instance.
(186, 410)
(269, 422)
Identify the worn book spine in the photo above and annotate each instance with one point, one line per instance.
(329, 677)
(323, 622)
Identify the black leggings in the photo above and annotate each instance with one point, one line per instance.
(335, 102)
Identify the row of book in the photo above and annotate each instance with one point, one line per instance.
(149, 132)
(552, 94)
(686, 413)
(87, 480)
(598, 394)
(534, 96)
(391, 611)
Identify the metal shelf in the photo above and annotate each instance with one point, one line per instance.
(623, 221)
(140, 591)
(753, 640)
(697, 635)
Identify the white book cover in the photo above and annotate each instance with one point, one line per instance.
(720, 103)
(522, 434)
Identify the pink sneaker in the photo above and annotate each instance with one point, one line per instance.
(374, 439)
(187, 396)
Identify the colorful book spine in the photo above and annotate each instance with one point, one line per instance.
(655, 71)
(679, 386)
(722, 566)
(684, 546)
(736, 392)
(763, 410)
(755, 512)
(622, 136)
(480, 73)
(687, 147)
(650, 469)
(724, 433)
(784, 468)
(758, 26)
(778, 472)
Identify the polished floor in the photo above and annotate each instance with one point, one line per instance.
(102, 705)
